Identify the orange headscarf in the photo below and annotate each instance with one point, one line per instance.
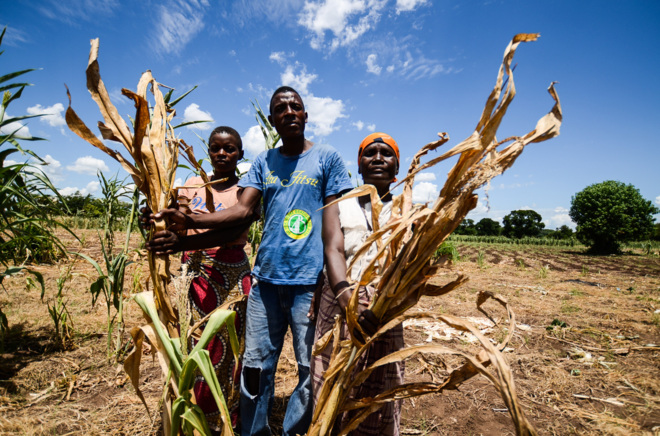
(379, 137)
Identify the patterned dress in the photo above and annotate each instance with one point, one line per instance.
(220, 274)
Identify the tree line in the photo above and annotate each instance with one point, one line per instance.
(606, 215)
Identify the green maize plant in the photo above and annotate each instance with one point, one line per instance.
(181, 366)
(110, 283)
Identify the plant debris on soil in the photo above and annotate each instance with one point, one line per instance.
(584, 355)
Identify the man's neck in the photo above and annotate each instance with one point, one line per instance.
(295, 146)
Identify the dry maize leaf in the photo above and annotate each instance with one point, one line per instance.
(79, 128)
(140, 123)
(132, 364)
(100, 95)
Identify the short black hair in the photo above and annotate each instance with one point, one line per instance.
(282, 90)
(229, 131)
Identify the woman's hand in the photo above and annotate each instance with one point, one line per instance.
(164, 242)
(177, 220)
(366, 318)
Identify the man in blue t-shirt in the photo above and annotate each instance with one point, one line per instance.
(295, 181)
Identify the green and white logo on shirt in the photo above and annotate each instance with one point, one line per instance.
(297, 224)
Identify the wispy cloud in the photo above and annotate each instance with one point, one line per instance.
(359, 125)
(409, 5)
(88, 165)
(178, 22)
(14, 37)
(194, 113)
(72, 11)
(372, 65)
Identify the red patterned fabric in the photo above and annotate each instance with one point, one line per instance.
(219, 275)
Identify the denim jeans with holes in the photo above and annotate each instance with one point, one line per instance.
(271, 309)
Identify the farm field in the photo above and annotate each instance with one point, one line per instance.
(585, 354)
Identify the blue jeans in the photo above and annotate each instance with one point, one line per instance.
(271, 309)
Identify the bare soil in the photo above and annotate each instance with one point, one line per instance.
(597, 372)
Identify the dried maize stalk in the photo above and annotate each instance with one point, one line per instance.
(404, 259)
(154, 150)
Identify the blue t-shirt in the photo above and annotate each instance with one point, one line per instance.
(293, 189)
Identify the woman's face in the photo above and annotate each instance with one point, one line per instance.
(378, 164)
(224, 153)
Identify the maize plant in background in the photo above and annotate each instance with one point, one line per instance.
(403, 260)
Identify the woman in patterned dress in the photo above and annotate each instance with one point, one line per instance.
(220, 273)
(378, 163)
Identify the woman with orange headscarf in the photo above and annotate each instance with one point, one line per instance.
(378, 163)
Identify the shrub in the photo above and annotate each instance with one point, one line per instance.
(610, 213)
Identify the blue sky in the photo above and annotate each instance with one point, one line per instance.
(410, 68)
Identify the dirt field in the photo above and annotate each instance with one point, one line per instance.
(595, 372)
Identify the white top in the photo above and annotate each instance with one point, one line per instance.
(356, 226)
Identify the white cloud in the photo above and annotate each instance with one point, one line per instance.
(425, 177)
(558, 220)
(359, 125)
(371, 127)
(178, 182)
(51, 114)
(323, 114)
(347, 20)
(323, 111)
(244, 167)
(178, 22)
(91, 187)
(279, 56)
(425, 192)
(372, 66)
(54, 168)
(88, 165)
(299, 82)
(253, 141)
(657, 200)
(22, 131)
(408, 5)
(194, 113)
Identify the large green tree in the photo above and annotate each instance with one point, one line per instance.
(610, 213)
(488, 227)
(520, 223)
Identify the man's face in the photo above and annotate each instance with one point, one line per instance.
(288, 115)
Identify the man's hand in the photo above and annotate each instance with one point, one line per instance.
(164, 242)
